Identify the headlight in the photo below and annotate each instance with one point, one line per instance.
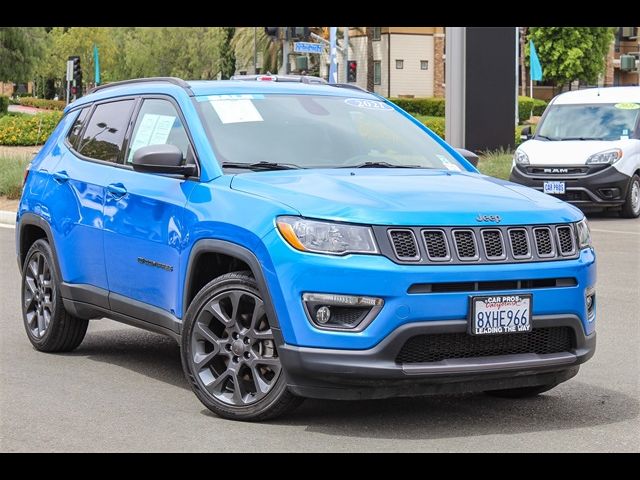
(606, 157)
(326, 237)
(584, 235)
(521, 158)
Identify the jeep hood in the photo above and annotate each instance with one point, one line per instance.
(404, 196)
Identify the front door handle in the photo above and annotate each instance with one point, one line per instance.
(117, 190)
(61, 176)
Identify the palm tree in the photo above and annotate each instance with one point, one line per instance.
(370, 68)
(243, 42)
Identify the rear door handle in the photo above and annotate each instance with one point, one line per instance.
(61, 176)
(117, 190)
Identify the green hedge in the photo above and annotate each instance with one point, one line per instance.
(525, 106)
(4, 105)
(538, 107)
(42, 103)
(436, 124)
(28, 129)
(433, 107)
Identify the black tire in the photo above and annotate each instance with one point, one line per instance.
(631, 207)
(225, 337)
(50, 328)
(522, 392)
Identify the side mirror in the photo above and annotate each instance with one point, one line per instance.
(470, 157)
(525, 133)
(161, 159)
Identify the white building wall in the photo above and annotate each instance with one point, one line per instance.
(411, 80)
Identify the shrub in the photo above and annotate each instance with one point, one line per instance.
(28, 129)
(433, 107)
(538, 107)
(436, 124)
(4, 105)
(525, 106)
(42, 103)
(11, 174)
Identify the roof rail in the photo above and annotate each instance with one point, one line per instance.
(173, 80)
(280, 78)
(351, 86)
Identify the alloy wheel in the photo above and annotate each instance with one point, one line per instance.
(233, 352)
(38, 295)
(635, 196)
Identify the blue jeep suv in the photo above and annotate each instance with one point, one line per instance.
(299, 239)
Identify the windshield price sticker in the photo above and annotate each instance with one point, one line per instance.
(370, 104)
(627, 106)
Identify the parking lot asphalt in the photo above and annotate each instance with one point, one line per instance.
(123, 390)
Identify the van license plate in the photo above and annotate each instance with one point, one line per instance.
(500, 314)
(554, 188)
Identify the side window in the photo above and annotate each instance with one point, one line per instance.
(74, 133)
(103, 137)
(158, 123)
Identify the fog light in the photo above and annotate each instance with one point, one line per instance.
(341, 312)
(590, 303)
(323, 315)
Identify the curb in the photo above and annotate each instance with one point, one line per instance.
(7, 218)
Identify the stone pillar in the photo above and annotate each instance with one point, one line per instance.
(438, 68)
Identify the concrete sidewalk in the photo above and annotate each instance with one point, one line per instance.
(8, 209)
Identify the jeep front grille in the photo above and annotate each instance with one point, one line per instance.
(461, 245)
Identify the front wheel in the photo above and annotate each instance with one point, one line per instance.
(631, 207)
(229, 352)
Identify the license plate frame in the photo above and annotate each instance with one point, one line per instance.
(501, 324)
(554, 187)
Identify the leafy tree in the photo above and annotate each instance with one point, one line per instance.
(20, 49)
(227, 65)
(571, 53)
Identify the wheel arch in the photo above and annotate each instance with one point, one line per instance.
(32, 227)
(244, 258)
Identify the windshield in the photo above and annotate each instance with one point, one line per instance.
(315, 131)
(589, 122)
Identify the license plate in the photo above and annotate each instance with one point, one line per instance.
(554, 188)
(500, 314)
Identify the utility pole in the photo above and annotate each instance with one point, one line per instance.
(285, 51)
(333, 71)
(255, 50)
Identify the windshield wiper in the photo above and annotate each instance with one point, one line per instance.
(553, 139)
(381, 165)
(261, 166)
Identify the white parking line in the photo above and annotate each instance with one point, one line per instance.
(4, 225)
(614, 231)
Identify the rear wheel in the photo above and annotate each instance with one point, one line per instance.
(229, 352)
(631, 207)
(522, 392)
(49, 326)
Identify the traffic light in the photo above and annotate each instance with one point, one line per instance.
(77, 76)
(352, 74)
(272, 32)
(299, 33)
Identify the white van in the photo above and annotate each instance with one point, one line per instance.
(586, 150)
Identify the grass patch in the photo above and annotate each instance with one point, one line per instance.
(11, 175)
(496, 164)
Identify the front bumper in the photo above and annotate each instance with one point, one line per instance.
(606, 187)
(374, 373)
